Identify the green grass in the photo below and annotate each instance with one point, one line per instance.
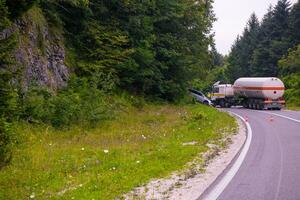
(293, 107)
(142, 144)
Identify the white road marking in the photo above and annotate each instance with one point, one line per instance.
(295, 120)
(220, 187)
(280, 169)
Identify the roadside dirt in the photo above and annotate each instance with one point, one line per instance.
(192, 182)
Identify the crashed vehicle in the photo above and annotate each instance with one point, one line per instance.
(200, 97)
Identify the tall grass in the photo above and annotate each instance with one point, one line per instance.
(113, 157)
(81, 103)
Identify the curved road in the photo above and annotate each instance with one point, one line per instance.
(271, 168)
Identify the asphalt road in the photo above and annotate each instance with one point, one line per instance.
(271, 168)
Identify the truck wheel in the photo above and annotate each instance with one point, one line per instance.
(227, 105)
(249, 105)
(222, 103)
(257, 106)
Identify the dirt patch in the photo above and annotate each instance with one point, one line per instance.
(192, 182)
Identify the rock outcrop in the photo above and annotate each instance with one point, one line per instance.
(40, 54)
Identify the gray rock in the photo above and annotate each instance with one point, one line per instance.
(40, 54)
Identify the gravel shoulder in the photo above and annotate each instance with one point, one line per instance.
(190, 183)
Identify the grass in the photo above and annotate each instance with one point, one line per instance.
(112, 158)
(293, 107)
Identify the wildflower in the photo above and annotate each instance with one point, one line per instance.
(105, 151)
(80, 185)
(32, 196)
(82, 149)
(137, 161)
(144, 137)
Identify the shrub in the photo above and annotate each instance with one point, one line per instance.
(292, 94)
(7, 140)
(82, 102)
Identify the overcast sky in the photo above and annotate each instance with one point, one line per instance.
(232, 16)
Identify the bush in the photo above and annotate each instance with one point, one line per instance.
(292, 94)
(292, 97)
(80, 103)
(7, 140)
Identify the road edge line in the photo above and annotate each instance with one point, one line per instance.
(289, 118)
(223, 183)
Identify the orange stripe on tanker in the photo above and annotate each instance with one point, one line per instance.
(259, 88)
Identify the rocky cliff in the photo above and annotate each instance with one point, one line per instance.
(40, 54)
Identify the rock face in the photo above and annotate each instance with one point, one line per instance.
(40, 54)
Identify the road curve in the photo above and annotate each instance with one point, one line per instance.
(271, 168)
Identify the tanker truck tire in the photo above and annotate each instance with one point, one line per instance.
(258, 106)
(245, 104)
(227, 105)
(249, 105)
(222, 103)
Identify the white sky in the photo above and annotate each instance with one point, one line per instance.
(232, 16)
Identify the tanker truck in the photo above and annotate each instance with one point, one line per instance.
(252, 93)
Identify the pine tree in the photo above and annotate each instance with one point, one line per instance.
(273, 42)
(7, 94)
(242, 50)
(294, 25)
(217, 58)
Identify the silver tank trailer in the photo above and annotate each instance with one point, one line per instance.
(261, 88)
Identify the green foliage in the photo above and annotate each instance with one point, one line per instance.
(149, 48)
(294, 25)
(290, 71)
(292, 93)
(81, 103)
(290, 63)
(8, 96)
(216, 74)
(7, 140)
(17, 7)
(152, 48)
(258, 50)
(242, 50)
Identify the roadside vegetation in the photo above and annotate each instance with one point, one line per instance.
(290, 69)
(111, 158)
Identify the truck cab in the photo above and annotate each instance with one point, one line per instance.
(222, 95)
